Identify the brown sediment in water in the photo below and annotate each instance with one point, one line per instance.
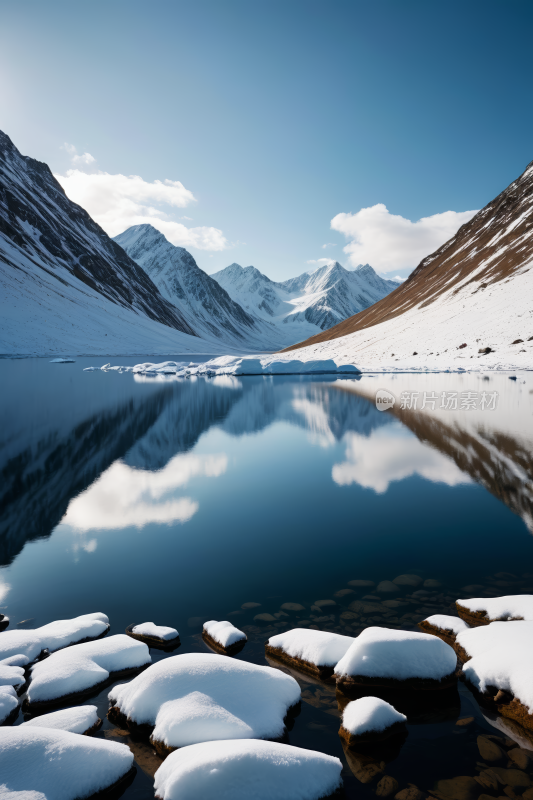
(231, 650)
(323, 673)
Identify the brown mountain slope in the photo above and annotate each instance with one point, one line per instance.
(488, 249)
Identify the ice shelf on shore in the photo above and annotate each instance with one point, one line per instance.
(400, 655)
(155, 631)
(500, 655)
(76, 720)
(83, 666)
(516, 607)
(45, 764)
(8, 702)
(224, 632)
(242, 769)
(370, 715)
(237, 365)
(321, 648)
(53, 636)
(197, 697)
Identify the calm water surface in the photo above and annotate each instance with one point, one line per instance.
(179, 502)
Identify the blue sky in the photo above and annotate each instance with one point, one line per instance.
(275, 118)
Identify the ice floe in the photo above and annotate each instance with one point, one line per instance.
(223, 635)
(370, 718)
(313, 651)
(245, 769)
(80, 719)
(197, 697)
(9, 703)
(45, 764)
(482, 610)
(78, 669)
(53, 636)
(381, 655)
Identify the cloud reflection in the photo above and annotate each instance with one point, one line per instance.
(123, 496)
(389, 455)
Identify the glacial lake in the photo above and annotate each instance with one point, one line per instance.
(183, 501)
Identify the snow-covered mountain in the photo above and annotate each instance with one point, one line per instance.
(199, 298)
(468, 305)
(64, 284)
(309, 303)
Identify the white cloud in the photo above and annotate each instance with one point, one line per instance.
(320, 261)
(84, 158)
(389, 454)
(124, 497)
(117, 202)
(329, 244)
(388, 241)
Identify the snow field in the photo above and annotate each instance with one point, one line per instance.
(82, 666)
(46, 764)
(198, 697)
(224, 632)
(54, 636)
(502, 608)
(370, 715)
(245, 769)
(156, 631)
(75, 720)
(320, 648)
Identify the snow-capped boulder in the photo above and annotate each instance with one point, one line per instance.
(484, 610)
(443, 626)
(315, 652)
(154, 635)
(15, 661)
(9, 705)
(53, 636)
(370, 719)
(223, 637)
(46, 764)
(385, 657)
(78, 670)
(198, 697)
(497, 665)
(80, 719)
(12, 676)
(243, 768)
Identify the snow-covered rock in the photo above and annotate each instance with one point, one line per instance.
(312, 651)
(154, 634)
(80, 719)
(199, 697)
(483, 610)
(45, 764)
(53, 636)
(11, 675)
(15, 661)
(243, 769)
(443, 626)
(312, 302)
(498, 665)
(9, 703)
(223, 636)
(384, 657)
(80, 668)
(370, 719)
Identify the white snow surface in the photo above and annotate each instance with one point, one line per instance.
(11, 676)
(53, 636)
(158, 631)
(368, 714)
(15, 661)
(500, 656)
(223, 632)
(235, 365)
(75, 720)
(242, 769)
(198, 697)
(502, 608)
(8, 702)
(387, 653)
(321, 648)
(45, 764)
(448, 623)
(83, 666)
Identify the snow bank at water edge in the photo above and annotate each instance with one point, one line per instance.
(45, 764)
(482, 610)
(245, 769)
(224, 636)
(312, 651)
(443, 626)
(198, 697)
(370, 719)
(53, 636)
(80, 668)
(11, 676)
(81, 719)
(498, 665)
(384, 657)
(9, 704)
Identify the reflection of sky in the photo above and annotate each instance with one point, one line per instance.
(123, 496)
(393, 454)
